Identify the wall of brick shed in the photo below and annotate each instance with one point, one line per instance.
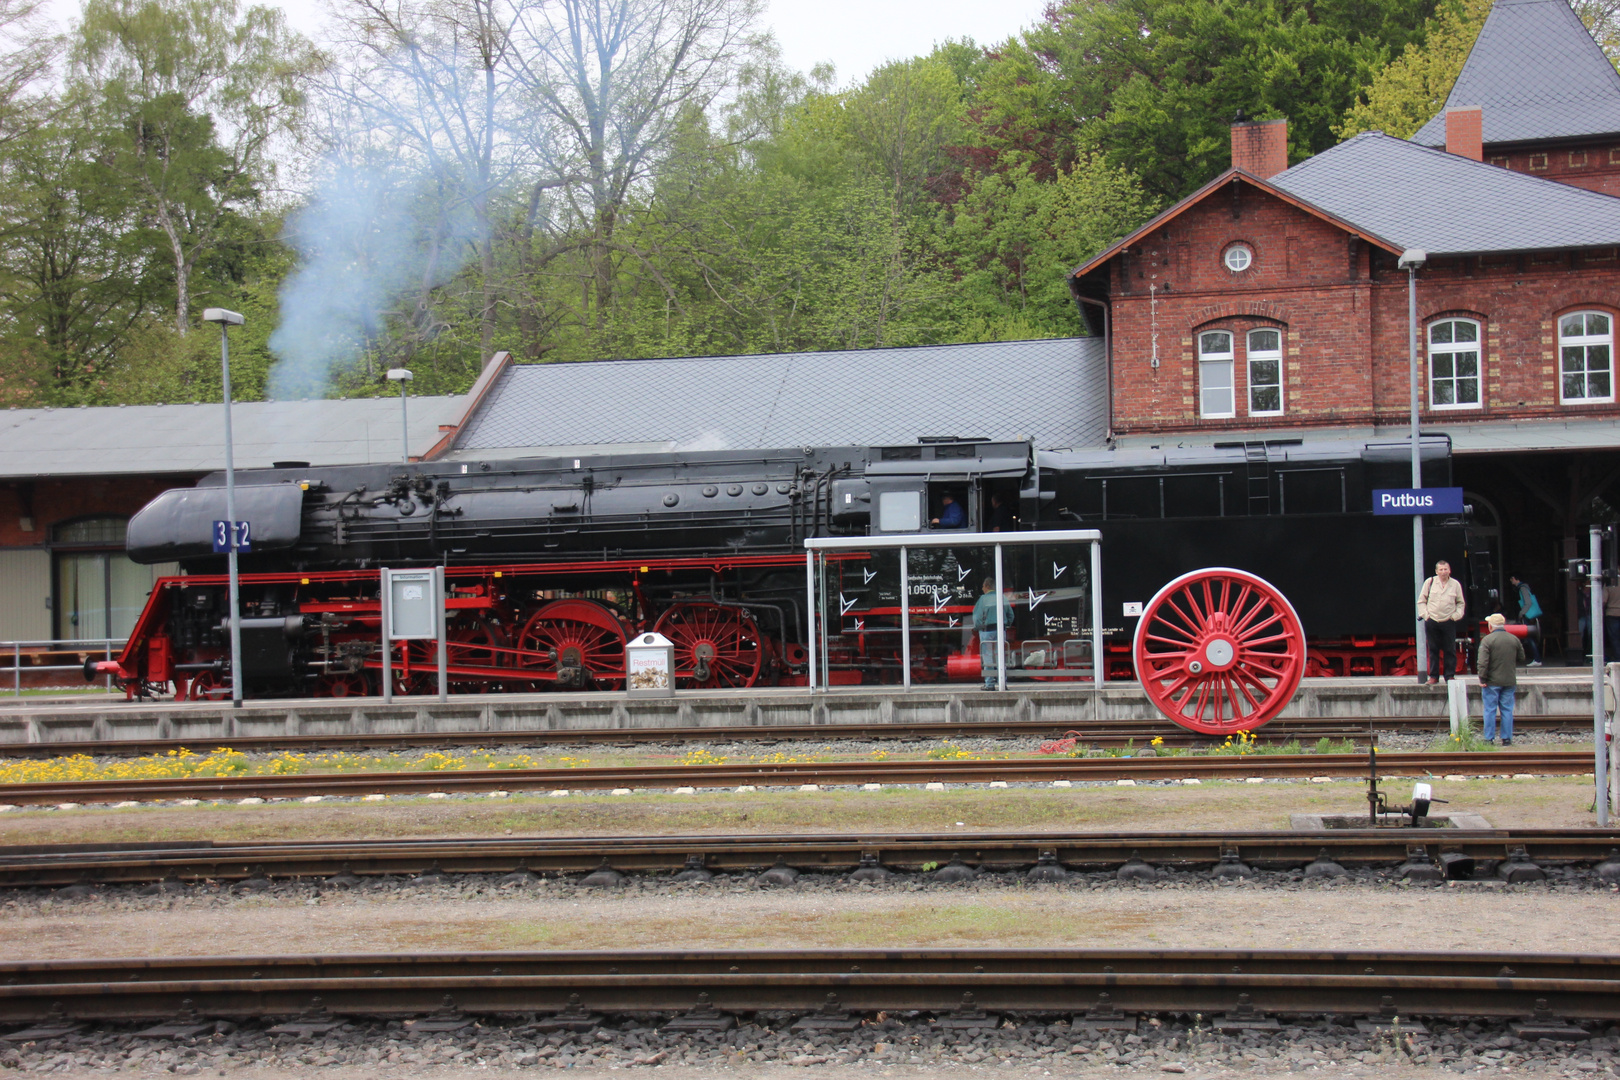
(1343, 309)
(57, 501)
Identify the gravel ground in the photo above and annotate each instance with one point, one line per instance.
(1570, 912)
(762, 1046)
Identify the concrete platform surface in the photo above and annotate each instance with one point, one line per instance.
(1567, 691)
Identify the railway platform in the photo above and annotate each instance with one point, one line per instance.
(1564, 691)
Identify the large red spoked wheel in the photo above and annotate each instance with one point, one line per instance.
(1219, 651)
(719, 646)
(580, 642)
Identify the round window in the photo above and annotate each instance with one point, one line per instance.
(1238, 257)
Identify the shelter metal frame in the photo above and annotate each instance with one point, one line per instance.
(817, 547)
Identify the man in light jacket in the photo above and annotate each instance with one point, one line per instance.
(1440, 606)
(1500, 654)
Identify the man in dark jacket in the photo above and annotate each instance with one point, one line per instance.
(1500, 654)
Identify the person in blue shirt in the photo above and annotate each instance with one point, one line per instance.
(951, 514)
(1529, 614)
(984, 622)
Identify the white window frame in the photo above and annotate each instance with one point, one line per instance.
(1216, 360)
(1263, 356)
(1585, 342)
(1449, 348)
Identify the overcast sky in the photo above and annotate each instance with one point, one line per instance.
(856, 35)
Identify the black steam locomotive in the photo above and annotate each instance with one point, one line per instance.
(553, 564)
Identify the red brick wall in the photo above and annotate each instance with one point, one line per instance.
(1594, 166)
(1342, 309)
(58, 501)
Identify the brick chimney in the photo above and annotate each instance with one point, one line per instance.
(1465, 132)
(1260, 147)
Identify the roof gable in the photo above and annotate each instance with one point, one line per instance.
(1165, 217)
(1447, 204)
(1537, 74)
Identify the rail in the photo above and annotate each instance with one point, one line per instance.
(1111, 733)
(754, 774)
(46, 646)
(960, 986)
(216, 863)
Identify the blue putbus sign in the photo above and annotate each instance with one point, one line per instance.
(1448, 500)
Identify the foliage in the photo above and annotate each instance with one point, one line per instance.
(1412, 90)
(570, 181)
(1160, 81)
(1467, 741)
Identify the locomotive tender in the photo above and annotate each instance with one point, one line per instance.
(553, 563)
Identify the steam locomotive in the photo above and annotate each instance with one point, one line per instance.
(552, 564)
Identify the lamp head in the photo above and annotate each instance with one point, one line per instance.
(222, 316)
(400, 374)
(1413, 259)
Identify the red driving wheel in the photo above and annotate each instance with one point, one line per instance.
(719, 645)
(475, 644)
(580, 641)
(1219, 651)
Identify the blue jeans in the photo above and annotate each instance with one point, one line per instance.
(1498, 699)
(987, 660)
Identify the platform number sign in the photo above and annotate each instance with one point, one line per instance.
(222, 537)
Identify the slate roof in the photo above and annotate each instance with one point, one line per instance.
(1537, 74)
(1054, 392)
(1416, 197)
(157, 439)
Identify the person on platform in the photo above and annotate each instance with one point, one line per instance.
(1002, 518)
(1530, 615)
(1440, 606)
(1500, 654)
(951, 514)
(984, 622)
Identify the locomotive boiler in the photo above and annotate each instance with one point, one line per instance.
(551, 564)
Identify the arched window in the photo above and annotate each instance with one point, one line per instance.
(1215, 398)
(1586, 356)
(1265, 372)
(1454, 364)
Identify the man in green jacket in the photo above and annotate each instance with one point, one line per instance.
(984, 621)
(1500, 654)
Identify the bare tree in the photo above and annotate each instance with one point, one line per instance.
(432, 77)
(610, 82)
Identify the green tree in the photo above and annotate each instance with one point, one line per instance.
(192, 95)
(1156, 83)
(1408, 93)
(77, 276)
(1012, 239)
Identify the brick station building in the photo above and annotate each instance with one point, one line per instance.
(1269, 305)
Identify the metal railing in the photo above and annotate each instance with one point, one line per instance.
(108, 647)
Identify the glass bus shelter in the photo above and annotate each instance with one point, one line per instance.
(898, 609)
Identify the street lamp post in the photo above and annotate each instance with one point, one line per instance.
(1411, 261)
(227, 319)
(403, 376)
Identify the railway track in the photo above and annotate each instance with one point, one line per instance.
(1113, 733)
(204, 862)
(797, 774)
(964, 988)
